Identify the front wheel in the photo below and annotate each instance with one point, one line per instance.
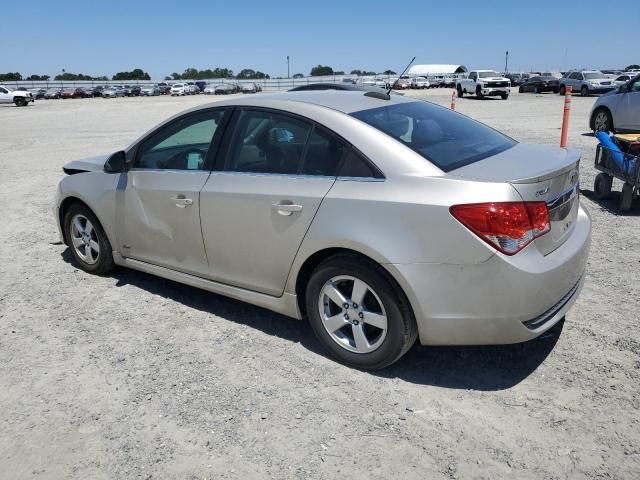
(602, 121)
(562, 90)
(358, 314)
(88, 242)
(479, 93)
(584, 91)
(20, 102)
(504, 96)
(626, 197)
(520, 90)
(460, 92)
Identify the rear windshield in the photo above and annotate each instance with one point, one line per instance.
(445, 138)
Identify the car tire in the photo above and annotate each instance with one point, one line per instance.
(20, 102)
(562, 90)
(520, 90)
(626, 197)
(584, 91)
(90, 247)
(479, 92)
(504, 96)
(536, 90)
(343, 330)
(602, 186)
(602, 121)
(460, 92)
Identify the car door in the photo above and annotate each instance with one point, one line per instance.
(158, 204)
(5, 97)
(256, 208)
(627, 116)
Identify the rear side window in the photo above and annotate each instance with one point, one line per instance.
(266, 142)
(445, 138)
(355, 165)
(323, 154)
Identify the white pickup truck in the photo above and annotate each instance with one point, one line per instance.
(484, 83)
(20, 97)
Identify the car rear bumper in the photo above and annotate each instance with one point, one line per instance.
(501, 300)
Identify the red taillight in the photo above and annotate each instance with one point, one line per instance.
(507, 226)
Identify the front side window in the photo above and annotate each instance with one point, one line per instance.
(445, 138)
(181, 145)
(266, 142)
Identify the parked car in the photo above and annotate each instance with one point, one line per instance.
(149, 91)
(248, 88)
(19, 98)
(38, 93)
(484, 83)
(164, 88)
(134, 90)
(179, 89)
(224, 89)
(516, 79)
(587, 82)
(540, 85)
(201, 84)
(97, 90)
(113, 92)
(191, 88)
(281, 223)
(52, 93)
(436, 80)
(402, 84)
(68, 93)
(622, 79)
(619, 110)
(209, 89)
(419, 83)
(449, 81)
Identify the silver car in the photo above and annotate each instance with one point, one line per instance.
(618, 111)
(380, 218)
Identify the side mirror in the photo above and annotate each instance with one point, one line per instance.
(116, 163)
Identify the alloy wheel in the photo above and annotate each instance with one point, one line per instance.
(601, 122)
(84, 239)
(353, 314)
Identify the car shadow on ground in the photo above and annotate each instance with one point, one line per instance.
(612, 204)
(483, 368)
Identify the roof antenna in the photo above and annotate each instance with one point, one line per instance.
(403, 72)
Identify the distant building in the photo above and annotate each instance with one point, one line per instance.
(424, 70)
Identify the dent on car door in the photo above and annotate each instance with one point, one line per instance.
(257, 208)
(158, 204)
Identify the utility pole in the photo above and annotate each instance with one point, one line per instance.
(288, 73)
(506, 62)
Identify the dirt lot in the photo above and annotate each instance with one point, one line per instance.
(130, 376)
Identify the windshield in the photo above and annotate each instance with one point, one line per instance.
(593, 75)
(488, 74)
(178, 85)
(445, 138)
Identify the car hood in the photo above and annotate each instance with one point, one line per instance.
(90, 164)
(521, 164)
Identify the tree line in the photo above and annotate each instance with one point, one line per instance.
(189, 74)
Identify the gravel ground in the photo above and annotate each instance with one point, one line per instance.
(131, 376)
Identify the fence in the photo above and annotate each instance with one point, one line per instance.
(266, 84)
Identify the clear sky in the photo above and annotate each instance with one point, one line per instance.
(102, 38)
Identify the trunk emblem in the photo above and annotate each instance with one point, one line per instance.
(542, 192)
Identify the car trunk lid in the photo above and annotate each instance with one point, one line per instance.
(538, 173)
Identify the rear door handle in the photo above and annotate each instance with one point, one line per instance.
(181, 201)
(286, 209)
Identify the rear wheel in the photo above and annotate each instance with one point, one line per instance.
(602, 186)
(536, 90)
(626, 197)
(88, 242)
(460, 92)
(358, 314)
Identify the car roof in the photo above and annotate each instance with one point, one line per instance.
(340, 100)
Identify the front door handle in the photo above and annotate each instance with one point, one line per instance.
(181, 201)
(286, 209)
